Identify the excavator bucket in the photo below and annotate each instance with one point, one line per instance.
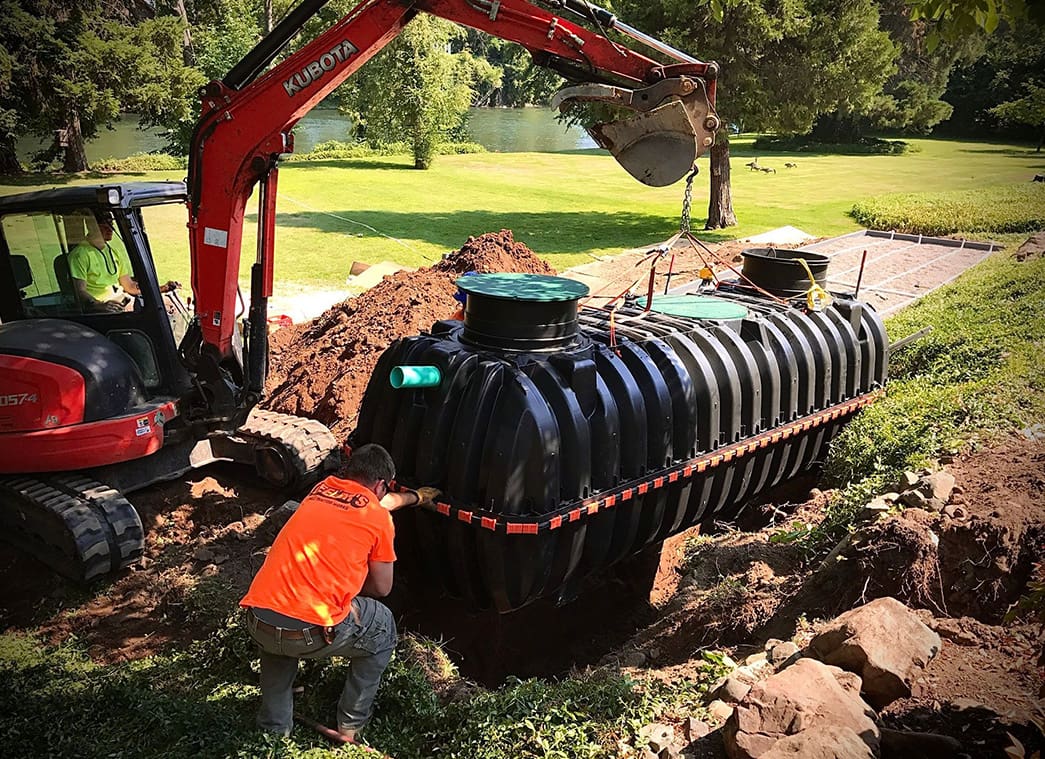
(675, 124)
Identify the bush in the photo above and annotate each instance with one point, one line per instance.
(141, 162)
(460, 148)
(336, 150)
(806, 144)
(999, 210)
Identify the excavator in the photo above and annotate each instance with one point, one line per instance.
(96, 404)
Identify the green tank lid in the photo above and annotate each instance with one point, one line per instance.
(697, 307)
(535, 288)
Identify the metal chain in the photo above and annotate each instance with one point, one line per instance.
(687, 200)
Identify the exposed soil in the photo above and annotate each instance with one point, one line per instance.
(320, 369)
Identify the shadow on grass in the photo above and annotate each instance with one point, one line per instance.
(568, 232)
(42, 181)
(1010, 152)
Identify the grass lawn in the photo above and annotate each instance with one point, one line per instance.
(564, 205)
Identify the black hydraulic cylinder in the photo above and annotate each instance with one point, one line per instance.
(262, 54)
(257, 337)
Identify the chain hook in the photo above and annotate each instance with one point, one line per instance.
(687, 200)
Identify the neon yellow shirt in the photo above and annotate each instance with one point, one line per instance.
(100, 269)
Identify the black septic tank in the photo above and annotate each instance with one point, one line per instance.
(566, 439)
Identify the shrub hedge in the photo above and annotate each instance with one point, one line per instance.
(999, 209)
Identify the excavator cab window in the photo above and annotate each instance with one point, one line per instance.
(37, 264)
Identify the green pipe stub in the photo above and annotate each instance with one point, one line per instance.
(405, 377)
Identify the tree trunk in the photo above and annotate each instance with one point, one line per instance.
(72, 142)
(1041, 139)
(268, 16)
(9, 163)
(188, 56)
(720, 204)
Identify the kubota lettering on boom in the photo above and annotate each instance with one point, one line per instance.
(315, 69)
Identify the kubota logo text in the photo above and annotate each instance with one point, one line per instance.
(340, 53)
(18, 399)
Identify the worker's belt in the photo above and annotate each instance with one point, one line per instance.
(307, 634)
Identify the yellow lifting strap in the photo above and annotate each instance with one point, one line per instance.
(817, 298)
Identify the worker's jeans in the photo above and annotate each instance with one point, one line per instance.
(367, 640)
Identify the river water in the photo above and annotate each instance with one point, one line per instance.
(501, 130)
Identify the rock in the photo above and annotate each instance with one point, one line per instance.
(720, 710)
(891, 497)
(915, 499)
(732, 690)
(940, 485)
(901, 744)
(955, 512)
(756, 659)
(802, 711)
(875, 507)
(203, 554)
(828, 742)
(884, 642)
(851, 683)
(770, 645)
(656, 736)
(694, 729)
(633, 659)
(907, 481)
(782, 652)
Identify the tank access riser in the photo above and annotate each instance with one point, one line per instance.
(84, 528)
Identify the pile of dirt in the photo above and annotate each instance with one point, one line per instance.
(321, 369)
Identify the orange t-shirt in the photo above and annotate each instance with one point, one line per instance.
(319, 560)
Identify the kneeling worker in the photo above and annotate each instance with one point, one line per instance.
(314, 595)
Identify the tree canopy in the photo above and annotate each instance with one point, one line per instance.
(415, 90)
(71, 69)
(783, 64)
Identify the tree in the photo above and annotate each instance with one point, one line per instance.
(1029, 109)
(954, 19)
(514, 80)
(1015, 55)
(74, 67)
(414, 90)
(782, 64)
(20, 33)
(912, 100)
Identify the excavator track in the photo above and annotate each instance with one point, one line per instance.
(311, 447)
(79, 527)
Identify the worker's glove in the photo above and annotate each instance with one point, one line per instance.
(427, 495)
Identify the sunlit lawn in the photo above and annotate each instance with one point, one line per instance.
(564, 206)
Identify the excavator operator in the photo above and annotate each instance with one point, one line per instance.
(101, 272)
(315, 595)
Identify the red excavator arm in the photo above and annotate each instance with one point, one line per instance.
(247, 121)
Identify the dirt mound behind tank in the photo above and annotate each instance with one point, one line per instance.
(321, 369)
